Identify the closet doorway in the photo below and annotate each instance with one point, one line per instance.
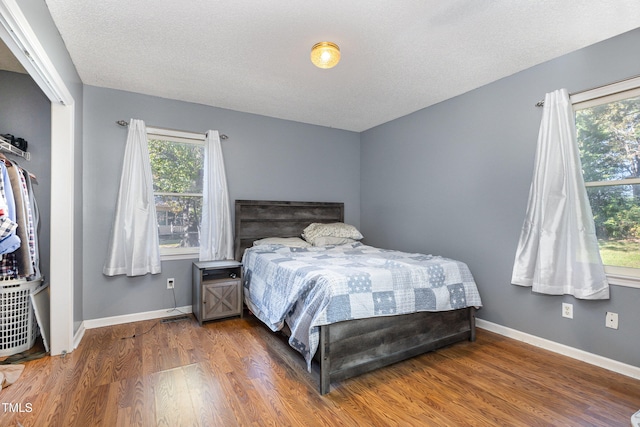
(64, 272)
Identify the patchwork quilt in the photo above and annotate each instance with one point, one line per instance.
(309, 287)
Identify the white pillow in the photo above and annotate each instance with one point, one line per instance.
(335, 229)
(330, 240)
(292, 242)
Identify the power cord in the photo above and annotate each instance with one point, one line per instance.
(175, 304)
(139, 335)
(175, 308)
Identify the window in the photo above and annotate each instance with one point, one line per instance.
(177, 160)
(608, 133)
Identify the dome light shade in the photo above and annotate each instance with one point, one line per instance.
(325, 55)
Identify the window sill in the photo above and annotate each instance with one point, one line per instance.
(177, 257)
(620, 280)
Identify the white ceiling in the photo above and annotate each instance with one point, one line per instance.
(398, 56)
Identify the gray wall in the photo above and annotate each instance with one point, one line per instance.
(25, 112)
(453, 179)
(265, 158)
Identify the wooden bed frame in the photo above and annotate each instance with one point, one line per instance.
(352, 347)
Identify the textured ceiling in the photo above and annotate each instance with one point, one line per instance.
(397, 56)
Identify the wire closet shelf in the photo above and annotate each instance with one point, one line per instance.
(5, 145)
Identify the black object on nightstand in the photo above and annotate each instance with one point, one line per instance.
(216, 290)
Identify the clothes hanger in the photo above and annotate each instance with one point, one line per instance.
(8, 162)
(5, 160)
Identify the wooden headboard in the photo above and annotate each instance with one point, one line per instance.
(257, 219)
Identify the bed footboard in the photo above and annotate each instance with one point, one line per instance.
(353, 347)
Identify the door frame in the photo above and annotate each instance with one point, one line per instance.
(18, 35)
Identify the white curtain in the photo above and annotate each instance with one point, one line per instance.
(134, 248)
(216, 234)
(558, 251)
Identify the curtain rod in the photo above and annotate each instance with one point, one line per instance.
(124, 123)
(541, 103)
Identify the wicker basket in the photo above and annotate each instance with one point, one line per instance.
(18, 324)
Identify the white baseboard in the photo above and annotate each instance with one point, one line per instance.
(593, 359)
(135, 317)
(77, 337)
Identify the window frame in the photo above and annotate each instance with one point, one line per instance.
(630, 88)
(169, 254)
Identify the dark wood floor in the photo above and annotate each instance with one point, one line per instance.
(235, 372)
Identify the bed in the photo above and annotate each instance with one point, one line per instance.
(350, 342)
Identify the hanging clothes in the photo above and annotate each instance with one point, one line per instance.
(8, 262)
(34, 223)
(9, 241)
(19, 221)
(23, 253)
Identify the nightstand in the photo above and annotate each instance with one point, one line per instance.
(216, 290)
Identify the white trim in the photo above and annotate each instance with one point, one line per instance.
(19, 36)
(136, 317)
(61, 274)
(164, 193)
(593, 359)
(79, 335)
(603, 91)
(178, 256)
(179, 135)
(23, 43)
(628, 181)
(616, 279)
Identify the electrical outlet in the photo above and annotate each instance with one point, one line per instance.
(170, 283)
(611, 321)
(567, 310)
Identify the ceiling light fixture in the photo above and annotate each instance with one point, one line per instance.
(325, 55)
